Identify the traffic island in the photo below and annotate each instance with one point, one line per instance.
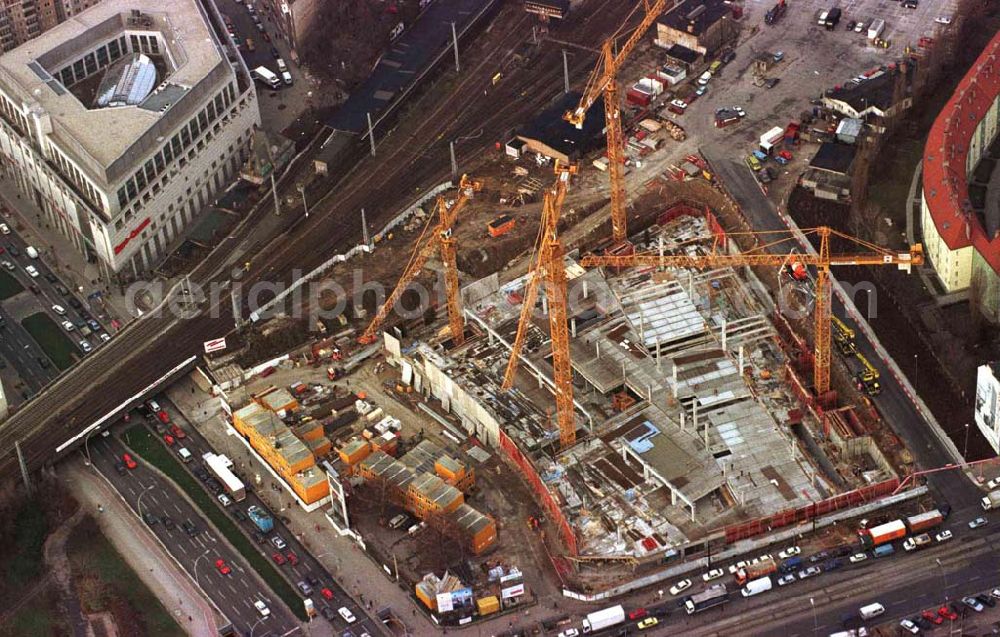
(51, 339)
(150, 449)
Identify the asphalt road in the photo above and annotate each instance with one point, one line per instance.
(245, 28)
(234, 594)
(308, 565)
(17, 347)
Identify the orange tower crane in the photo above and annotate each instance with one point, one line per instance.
(603, 80)
(549, 266)
(770, 254)
(439, 238)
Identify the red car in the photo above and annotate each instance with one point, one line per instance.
(327, 593)
(267, 38)
(638, 613)
(223, 567)
(178, 432)
(163, 416)
(129, 462)
(278, 558)
(947, 613)
(167, 438)
(932, 617)
(293, 559)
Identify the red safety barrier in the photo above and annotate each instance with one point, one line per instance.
(788, 517)
(542, 493)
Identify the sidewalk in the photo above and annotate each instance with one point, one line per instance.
(58, 252)
(160, 573)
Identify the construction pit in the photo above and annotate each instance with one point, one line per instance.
(692, 416)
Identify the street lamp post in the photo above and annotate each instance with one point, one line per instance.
(916, 369)
(86, 446)
(138, 502)
(965, 452)
(944, 578)
(812, 603)
(194, 567)
(305, 204)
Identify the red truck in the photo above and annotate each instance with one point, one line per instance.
(755, 571)
(922, 522)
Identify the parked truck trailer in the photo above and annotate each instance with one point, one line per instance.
(883, 533)
(599, 620)
(924, 521)
(754, 571)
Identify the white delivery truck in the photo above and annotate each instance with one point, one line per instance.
(602, 619)
(871, 611)
(264, 75)
(757, 586)
(876, 28)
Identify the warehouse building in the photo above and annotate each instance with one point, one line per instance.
(703, 26)
(125, 173)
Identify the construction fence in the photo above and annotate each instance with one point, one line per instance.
(542, 493)
(752, 528)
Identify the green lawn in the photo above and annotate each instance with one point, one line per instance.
(51, 339)
(37, 618)
(9, 286)
(108, 583)
(148, 447)
(23, 558)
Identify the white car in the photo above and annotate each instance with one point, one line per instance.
(32, 271)
(224, 500)
(7, 265)
(69, 327)
(943, 536)
(261, 608)
(786, 579)
(4, 228)
(60, 310)
(995, 593)
(570, 632)
(680, 587)
(86, 347)
(739, 111)
(973, 603)
(993, 484)
(858, 557)
(791, 551)
(715, 573)
(978, 522)
(105, 337)
(681, 104)
(809, 572)
(765, 557)
(941, 20)
(346, 614)
(906, 624)
(859, 27)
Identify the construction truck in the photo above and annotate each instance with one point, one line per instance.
(991, 501)
(867, 378)
(261, 518)
(774, 13)
(843, 336)
(756, 571)
(883, 533)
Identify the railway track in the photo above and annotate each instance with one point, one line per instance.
(414, 154)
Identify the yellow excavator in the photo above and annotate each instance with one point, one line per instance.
(867, 378)
(843, 336)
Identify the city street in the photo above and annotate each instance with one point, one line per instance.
(294, 573)
(234, 594)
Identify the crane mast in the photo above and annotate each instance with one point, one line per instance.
(440, 239)
(549, 266)
(603, 80)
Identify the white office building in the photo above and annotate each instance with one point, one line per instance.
(123, 123)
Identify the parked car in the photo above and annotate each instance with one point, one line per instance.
(168, 523)
(224, 500)
(943, 536)
(932, 617)
(346, 614)
(858, 557)
(973, 603)
(261, 608)
(947, 613)
(293, 559)
(909, 626)
(189, 528)
(649, 622)
(222, 567)
(150, 518)
(328, 613)
(680, 587)
(791, 551)
(129, 462)
(978, 522)
(715, 573)
(986, 599)
(278, 542)
(304, 588)
(326, 593)
(638, 613)
(786, 579)
(809, 572)
(278, 558)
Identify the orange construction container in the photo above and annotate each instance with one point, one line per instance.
(501, 225)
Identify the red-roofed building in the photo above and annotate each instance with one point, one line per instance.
(957, 241)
